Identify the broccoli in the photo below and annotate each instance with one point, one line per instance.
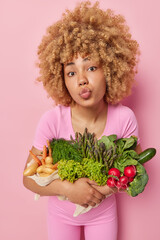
(139, 182)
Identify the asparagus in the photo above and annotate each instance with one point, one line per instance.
(88, 146)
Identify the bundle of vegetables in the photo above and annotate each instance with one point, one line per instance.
(93, 159)
(41, 165)
(108, 160)
(128, 172)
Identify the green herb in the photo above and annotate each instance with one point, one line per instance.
(63, 149)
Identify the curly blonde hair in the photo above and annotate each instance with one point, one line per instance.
(89, 31)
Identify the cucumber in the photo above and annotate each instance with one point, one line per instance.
(146, 155)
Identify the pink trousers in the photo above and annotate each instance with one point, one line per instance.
(99, 223)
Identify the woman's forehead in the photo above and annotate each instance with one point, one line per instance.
(76, 58)
(82, 58)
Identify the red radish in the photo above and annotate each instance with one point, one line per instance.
(111, 182)
(130, 179)
(122, 183)
(124, 187)
(120, 186)
(123, 180)
(114, 172)
(130, 171)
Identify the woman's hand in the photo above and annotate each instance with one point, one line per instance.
(105, 190)
(83, 193)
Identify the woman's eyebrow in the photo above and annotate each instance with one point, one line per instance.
(86, 59)
(70, 63)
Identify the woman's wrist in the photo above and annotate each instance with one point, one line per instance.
(65, 188)
(55, 188)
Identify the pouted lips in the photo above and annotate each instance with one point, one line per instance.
(85, 93)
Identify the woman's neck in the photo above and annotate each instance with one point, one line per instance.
(94, 118)
(89, 114)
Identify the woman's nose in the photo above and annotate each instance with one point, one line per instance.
(83, 80)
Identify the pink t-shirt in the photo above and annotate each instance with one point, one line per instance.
(56, 123)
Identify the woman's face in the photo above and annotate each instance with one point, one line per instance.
(85, 81)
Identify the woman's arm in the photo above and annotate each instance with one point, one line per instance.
(80, 192)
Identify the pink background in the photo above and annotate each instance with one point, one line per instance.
(22, 102)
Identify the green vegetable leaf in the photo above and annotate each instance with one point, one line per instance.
(126, 143)
(108, 141)
(130, 154)
(113, 177)
(121, 164)
(119, 145)
(112, 137)
(128, 162)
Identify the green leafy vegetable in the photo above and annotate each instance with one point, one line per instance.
(63, 149)
(108, 141)
(126, 144)
(70, 170)
(95, 171)
(137, 186)
(121, 164)
(125, 155)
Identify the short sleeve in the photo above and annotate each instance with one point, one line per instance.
(128, 122)
(46, 130)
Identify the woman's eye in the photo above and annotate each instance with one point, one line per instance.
(70, 74)
(93, 68)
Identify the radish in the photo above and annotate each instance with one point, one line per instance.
(114, 172)
(130, 179)
(120, 186)
(123, 180)
(124, 187)
(111, 182)
(130, 171)
(122, 183)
